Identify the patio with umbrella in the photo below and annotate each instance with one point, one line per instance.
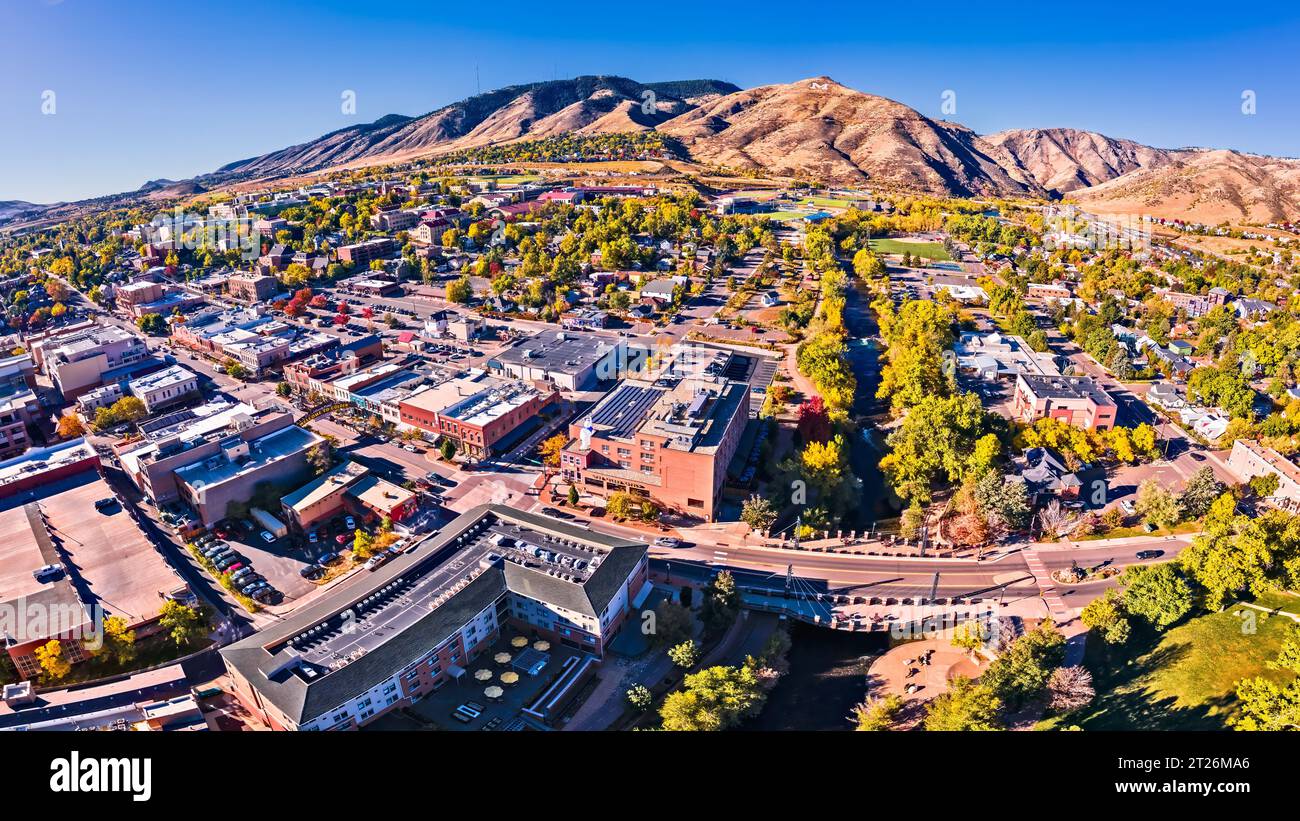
(541, 645)
(501, 658)
(483, 675)
(519, 641)
(509, 677)
(494, 692)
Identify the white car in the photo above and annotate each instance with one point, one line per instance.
(667, 541)
(267, 537)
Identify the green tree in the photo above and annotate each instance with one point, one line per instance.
(1158, 593)
(1156, 505)
(966, 706)
(622, 505)
(716, 698)
(970, 636)
(877, 714)
(284, 389)
(574, 497)
(152, 324)
(447, 448)
(686, 654)
(1266, 705)
(185, 624)
(1024, 667)
(460, 290)
(758, 513)
(1106, 615)
(1200, 492)
(640, 697)
(935, 441)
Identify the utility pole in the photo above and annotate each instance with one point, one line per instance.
(789, 577)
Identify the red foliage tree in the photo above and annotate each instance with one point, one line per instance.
(814, 421)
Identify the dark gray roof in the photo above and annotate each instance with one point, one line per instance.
(264, 658)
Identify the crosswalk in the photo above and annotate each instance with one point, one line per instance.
(1047, 587)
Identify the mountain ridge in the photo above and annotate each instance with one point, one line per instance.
(813, 129)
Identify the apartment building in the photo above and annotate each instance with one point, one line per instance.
(397, 220)
(438, 609)
(1076, 400)
(215, 454)
(1195, 304)
(480, 413)
(20, 407)
(1049, 291)
(669, 444)
(137, 293)
(1249, 459)
(363, 252)
(252, 287)
(79, 361)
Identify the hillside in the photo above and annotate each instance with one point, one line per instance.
(531, 111)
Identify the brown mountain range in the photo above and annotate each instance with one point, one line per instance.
(818, 129)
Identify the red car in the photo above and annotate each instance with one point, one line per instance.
(342, 538)
(230, 570)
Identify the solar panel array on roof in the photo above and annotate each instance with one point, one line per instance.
(625, 409)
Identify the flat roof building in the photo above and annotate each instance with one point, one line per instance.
(477, 411)
(47, 512)
(164, 388)
(670, 440)
(216, 454)
(1076, 400)
(570, 360)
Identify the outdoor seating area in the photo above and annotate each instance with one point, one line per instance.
(499, 684)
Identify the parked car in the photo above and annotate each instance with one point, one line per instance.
(376, 561)
(244, 572)
(313, 537)
(350, 523)
(667, 541)
(343, 538)
(1149, 554)
(1128, 507)
(311, 571)
(328, 558)
(267, 537)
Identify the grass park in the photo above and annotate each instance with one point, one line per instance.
(1186, 678)
(925, 250)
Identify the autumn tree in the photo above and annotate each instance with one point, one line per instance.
(70, 426)
(54, 664)
(551, 448)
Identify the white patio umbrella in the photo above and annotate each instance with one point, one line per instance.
(483, 675)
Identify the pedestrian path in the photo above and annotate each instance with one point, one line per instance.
(1047, 587)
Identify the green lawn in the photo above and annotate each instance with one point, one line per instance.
(926, 250)
(782, 216)
(828, 202)
(1180, 529)
(1183, 680)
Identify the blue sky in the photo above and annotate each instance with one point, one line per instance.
(147, 89)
